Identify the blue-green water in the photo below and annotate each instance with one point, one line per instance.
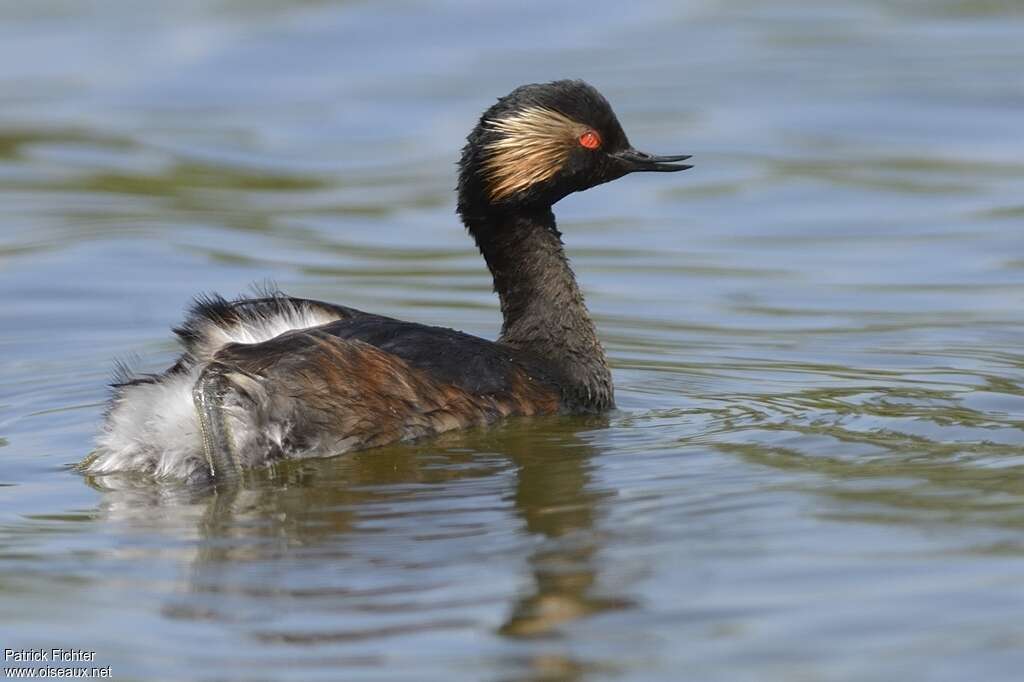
(817, 468)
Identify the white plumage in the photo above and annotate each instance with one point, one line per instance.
(154, 426)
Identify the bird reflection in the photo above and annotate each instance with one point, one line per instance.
(556, 498)
(372, 534)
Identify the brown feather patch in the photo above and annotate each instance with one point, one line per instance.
(533, 146)
(308, 393)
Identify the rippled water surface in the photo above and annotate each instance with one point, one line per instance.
(817, 468)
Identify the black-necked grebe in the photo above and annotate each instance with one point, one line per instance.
(274, 377)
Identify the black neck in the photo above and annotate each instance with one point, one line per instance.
(541, 303)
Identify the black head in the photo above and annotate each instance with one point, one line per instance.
(544, 141)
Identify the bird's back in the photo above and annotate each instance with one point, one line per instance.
(299, 378)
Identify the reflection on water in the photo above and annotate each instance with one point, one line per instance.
(517, 494)
(815, 471)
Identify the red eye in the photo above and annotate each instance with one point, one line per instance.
(590, 140)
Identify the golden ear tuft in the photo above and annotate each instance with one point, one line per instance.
(533, 146)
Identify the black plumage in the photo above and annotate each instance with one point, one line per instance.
(273, 376)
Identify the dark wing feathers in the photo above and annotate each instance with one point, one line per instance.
(444, 366)
(469, 362)
(358, 381)
(327, 394)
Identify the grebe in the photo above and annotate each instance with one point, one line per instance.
(272, 377)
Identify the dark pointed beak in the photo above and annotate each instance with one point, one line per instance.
(633, 161)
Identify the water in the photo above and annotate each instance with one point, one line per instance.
(817, 468)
